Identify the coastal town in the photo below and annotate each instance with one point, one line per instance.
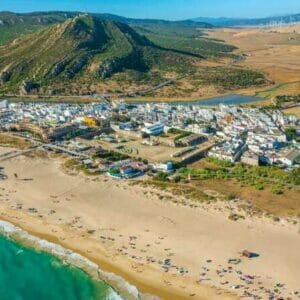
(135, 138)
(152, 141)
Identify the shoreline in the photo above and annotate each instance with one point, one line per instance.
(114, 275)
(129, 231)
(16, 234)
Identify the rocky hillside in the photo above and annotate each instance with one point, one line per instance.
(81, 50)
(80, 47)
(87, 55)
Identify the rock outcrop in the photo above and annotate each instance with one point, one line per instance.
(76, 67)
(29, 87)
(112, 66)
(4, 77)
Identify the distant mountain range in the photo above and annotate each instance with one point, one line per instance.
(14, 24)
(232, 22)
(52, 17)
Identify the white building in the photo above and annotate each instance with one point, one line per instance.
(231, 150)
(290, 158)
(155, 129)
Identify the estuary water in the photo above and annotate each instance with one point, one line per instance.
(225, 100)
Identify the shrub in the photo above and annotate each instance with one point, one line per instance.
(230, 196)
(277, 190)
(220, 163)
(235, 217)
(161, 176)
(259, 186)
(177, 179)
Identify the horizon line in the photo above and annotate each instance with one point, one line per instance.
(141, 18)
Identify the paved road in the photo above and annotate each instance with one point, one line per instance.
(65, 150)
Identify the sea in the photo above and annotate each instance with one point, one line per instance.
(27, 273)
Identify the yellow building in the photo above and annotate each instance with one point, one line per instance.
(90, 122)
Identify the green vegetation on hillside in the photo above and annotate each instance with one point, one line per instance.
(67, 54)
(10, 33)
(231, 78)
(68, 50)
(281, 100)
(193, 45)
(14, 25)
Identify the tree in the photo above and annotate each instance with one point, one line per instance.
(291, 133)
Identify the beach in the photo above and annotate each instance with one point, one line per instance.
(165, 249)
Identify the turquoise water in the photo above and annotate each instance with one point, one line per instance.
(27, 274)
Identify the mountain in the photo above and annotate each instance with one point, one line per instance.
(87, 54)
(183, 36)
(231, 22)
(84, 44)
(83, 49)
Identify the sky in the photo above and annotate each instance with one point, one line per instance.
(162, 9)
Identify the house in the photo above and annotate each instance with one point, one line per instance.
(164, 167)
(139, 166)
(230, 150)
(88, 163)
(127, 126)
(192, 140)
(126, 170)
(155, 129)
(249, 158)
(4, 104)
(290, 158)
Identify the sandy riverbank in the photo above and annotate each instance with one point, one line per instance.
(127, 230)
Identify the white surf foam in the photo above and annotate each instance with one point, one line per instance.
(123, 288)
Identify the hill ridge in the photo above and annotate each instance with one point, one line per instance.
(87, 55)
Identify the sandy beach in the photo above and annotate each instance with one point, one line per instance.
(165, 249)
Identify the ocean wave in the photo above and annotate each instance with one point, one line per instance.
(120, 288)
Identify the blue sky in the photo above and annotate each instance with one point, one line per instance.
(165, 9)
